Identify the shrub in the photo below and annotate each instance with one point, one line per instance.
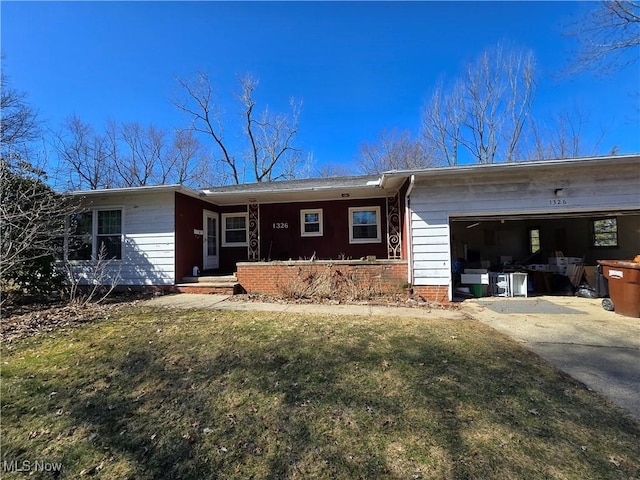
(329, 284)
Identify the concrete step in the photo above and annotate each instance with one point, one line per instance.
(221, 288)
(210, 284)
(211, 279)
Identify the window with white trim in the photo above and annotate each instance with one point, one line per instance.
(364, 225)
(234, 229)
(94, 233)
(311, 222)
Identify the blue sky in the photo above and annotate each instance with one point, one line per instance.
(358, 67)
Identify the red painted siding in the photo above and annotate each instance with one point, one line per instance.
(189, 247)
(280, 234)
(286, 242)
(229, 256)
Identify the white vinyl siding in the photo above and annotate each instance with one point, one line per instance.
(434, 201)
(148, 239)
(431, 251)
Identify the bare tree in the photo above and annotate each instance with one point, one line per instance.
(86, 155)
(142, 152)
(206, 117)
(442, 121)
(269, 153)
(18, 123)
(31, 213)
(332, 169)
(31, 219)
(393, 151)
(484, 112)
(270, 137)
(608, 36)
(561, 136)
(184, 161)
(94, 282)
(128, 155)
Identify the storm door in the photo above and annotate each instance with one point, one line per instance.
(210, 240)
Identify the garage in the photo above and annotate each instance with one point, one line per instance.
(559, 252)
(546, 219)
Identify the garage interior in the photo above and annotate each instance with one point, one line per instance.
(558, 252)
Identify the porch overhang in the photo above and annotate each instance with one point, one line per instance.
(348, 188)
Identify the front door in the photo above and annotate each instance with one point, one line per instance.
(210, 237)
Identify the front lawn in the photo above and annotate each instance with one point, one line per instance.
(157, 393)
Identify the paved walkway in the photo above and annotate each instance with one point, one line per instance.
(222, 302)
(599, 348)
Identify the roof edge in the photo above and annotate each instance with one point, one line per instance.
(296, 185)
(136, 190)
(497, 167)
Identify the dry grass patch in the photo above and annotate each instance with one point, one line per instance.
(175, 394)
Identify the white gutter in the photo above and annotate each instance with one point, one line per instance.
(367, 187)
(587, 162)
(408, 229)
(135, 190)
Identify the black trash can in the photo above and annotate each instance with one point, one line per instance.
(602, 289)
(602, 284)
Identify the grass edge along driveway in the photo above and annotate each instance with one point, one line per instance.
(155, 393)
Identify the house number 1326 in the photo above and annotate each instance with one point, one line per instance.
(557, 202)
(280, 225)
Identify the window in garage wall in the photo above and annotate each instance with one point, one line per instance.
(534, 239)
(605, 232)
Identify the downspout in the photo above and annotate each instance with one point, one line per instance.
(408, 229)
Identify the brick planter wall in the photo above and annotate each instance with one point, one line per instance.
(433, 293)
(389, 276)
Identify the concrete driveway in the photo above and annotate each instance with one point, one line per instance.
(599, 348)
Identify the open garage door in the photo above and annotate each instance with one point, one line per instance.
(558, 251)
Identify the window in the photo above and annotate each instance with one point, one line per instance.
(311, 223)
(93, 232)
(364, 225)
(109, 234)
(605, 232)
(80, 245)
(534, 240)
(234, 229)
